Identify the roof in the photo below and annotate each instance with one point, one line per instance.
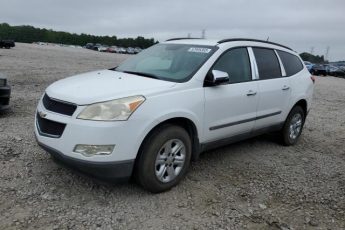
(193, 41)
(252, 40)
(214, 42)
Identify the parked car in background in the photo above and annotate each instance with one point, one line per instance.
(111, 49)
(327, 68)
(336, 71)
(137, 50)
(318, 69)
(117, 49)
(309, 65)
(122, 50)
(130, 50)
(7, 44)
(89, 46)
(96, 47)
(103, 48)
(155, 112)
(5, 93)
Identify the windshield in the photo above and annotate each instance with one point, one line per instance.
(171, 62)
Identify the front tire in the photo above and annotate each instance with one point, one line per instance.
(164, 158)
(293, 126)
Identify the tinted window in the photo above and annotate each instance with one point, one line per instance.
(291, 63)
(268, 64)
(236, 63)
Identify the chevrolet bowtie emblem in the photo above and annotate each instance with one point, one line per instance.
(42, 114)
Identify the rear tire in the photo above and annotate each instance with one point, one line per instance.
(293, 126)
(164, 158)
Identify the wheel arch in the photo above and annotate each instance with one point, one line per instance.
(304, 104)
(183, 122)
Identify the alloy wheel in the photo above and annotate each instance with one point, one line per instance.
(170, 160)
(295, 126)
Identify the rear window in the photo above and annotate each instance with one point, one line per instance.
(291, 63)
(268, 63)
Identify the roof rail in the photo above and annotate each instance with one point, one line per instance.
(175, 39)
(252, 40)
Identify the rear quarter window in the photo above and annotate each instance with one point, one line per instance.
(291, 63)
(268, 63)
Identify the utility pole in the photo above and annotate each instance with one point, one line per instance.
(327, 53)
(312, 50)
(203, 33)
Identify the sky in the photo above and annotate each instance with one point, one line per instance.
(303, 25)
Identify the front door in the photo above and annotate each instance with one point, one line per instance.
(230, 109)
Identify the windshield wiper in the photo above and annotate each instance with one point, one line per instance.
(142, 74)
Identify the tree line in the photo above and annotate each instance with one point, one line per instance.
(313, 58)
(30, 34)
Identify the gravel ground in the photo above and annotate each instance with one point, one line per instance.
(254, 184)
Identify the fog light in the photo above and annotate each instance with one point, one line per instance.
(92, 150)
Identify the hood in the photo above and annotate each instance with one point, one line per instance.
(104, 85)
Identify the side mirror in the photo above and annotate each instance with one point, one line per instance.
(217, 77)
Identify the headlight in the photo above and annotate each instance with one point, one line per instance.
(3, 82)
(115, 110)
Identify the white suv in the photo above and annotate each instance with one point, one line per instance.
(154, 113)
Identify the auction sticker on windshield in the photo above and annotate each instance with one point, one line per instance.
(199, 50)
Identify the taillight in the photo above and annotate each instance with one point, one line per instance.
(312, 78)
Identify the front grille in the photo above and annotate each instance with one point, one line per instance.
(58, 106)
(49, 128)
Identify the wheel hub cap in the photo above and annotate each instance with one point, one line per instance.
(295, 126)
(170, 160)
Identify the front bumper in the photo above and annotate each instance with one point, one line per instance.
(5, 94)
(117, 166)
(125, 135)
(111, 171)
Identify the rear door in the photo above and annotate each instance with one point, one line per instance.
(274, 88)
(230, 109)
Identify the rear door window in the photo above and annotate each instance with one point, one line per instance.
(268, 63)
(291, 63)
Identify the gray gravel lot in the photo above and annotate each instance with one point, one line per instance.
(254, 184)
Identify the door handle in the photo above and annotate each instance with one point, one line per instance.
(251, 93)
(285, 87)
